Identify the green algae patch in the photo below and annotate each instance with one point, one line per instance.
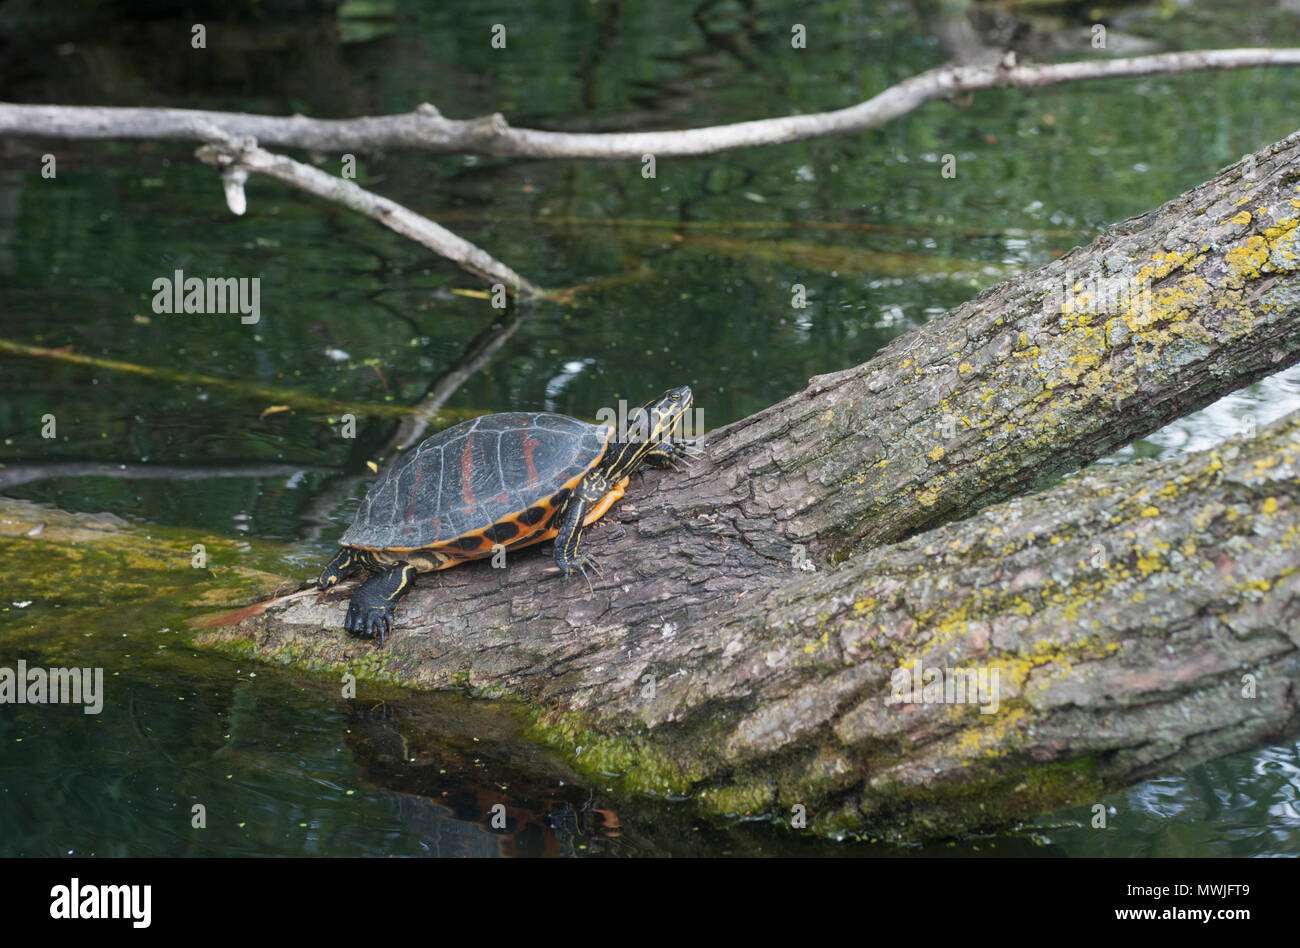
(908, 811)
(634, 761)
(374, 666)
(57, 556)
(753, 797)
(839, 820)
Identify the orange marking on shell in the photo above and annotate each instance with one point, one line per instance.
(467, 474)
(415, 490)
(456, 555)
(530, 445)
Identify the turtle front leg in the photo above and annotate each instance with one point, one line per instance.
(345, 563)
(672, 453)
(590, 490)
(370, 612)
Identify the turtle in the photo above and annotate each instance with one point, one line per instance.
(497, 481)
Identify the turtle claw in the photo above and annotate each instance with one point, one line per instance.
(369, 622)
(675, 455)
(582, 564)
(685, 454)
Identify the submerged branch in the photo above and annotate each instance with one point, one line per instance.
(237, 158)
(22, 472)
(237, 388)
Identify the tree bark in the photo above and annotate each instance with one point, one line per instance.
(1121, 608)
(1131, 621)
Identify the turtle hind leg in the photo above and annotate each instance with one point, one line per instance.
(344, 564)
(370, 611)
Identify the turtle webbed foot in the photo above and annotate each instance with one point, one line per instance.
(674, 454)
(582, 564)
(369, 622)
(370, 612)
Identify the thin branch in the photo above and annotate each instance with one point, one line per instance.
(235, 387)
(411, 429)
(428, 129)
(237, 159)
(21, 472)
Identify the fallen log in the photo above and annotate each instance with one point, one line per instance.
(1120, 609)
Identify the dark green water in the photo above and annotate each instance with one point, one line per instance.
(694, 268)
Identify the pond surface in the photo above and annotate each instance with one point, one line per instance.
(682, 278)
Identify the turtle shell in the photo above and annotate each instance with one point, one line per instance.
(493, 479)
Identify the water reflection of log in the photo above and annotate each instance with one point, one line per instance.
(448, 763)
(447, 787)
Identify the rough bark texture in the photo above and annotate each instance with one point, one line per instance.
(428, 129)
(1120, 609)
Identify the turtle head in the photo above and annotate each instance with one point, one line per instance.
(663, 413)
(647, 426)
